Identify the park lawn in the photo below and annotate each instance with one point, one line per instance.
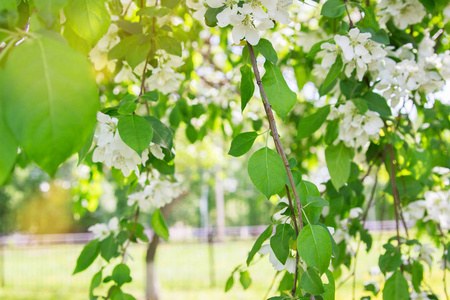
(184, 269)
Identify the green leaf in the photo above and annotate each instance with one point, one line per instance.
(75, 41)
(330, 287)
(266, 49)
(332, 131)
(245, 279)
(310, 124)
(8, 149)
(36, 101)
(162, 134)
(85, 149)
(314, 246)
(247, 86)
(278, 92)
(417, 275)
(136, 132)
(109, 248)
(338, 162)
(121, 274)
(316, 48)
(211, 15)
(333, 8)
(127, 107)
(266, 171)
(230, 282)
(429, 5)
(48, 10)
(159, 226)
(153, 11)
(317, 201)
(132, 48)
(396, 287)
(259, 241)
(151, 96)
(361, 105)
(242, 143)
(311, 282)
(171, 45)
(95, 282)
(390, 261)
(89, 19)
(170, 3)
(191, 133)
(280, 241)
(334, 72)
(87, 256)
(378, 104)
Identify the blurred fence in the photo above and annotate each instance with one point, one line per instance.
(44, 263)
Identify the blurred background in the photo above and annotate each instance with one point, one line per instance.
(213, 225)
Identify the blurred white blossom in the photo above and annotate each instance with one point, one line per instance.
(290, 262)
(155, 195)
(402, 12)
(101, 230)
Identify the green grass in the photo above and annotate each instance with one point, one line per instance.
(184, 270)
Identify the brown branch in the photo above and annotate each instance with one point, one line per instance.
(394, 191)
(291, 206)
(348, 14)
(276, 139)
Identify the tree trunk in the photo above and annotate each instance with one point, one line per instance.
(153, 287)
(220, 206)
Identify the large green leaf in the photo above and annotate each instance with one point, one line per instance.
(338, 162)
(136, 132)
(334, 72)
(95, 282)
(265, 47)
(87, 256)
(314, 246)
(48, 10)
(333, 8)
(308, 125)
(266, 171)
(245, 279)
(88, 18)
(247, 86)
(311, 282)
(396, 287)
(280, 241)
(242, 143)
(8, 149)
(278, 92)
(259, 241)
(162, 134)
(50, 100)
(121, 274)
(159, 226)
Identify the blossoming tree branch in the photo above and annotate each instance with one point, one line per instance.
(357, 89)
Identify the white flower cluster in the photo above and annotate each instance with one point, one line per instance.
(99, 54)
(402, 12)
(290, 261)
(113, 152)
(101, 230)
(357, 51)
(155, 195)
(164, 78)
(406, 78)
(425, 252)
(437, 206)
(355, 129)
(247, 19)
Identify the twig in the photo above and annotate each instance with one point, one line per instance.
(271, 285)
(348, 14)
(278, 145)
(291, 206)
(394, 191)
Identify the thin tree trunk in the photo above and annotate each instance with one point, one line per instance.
(153, 287)
(220, 205)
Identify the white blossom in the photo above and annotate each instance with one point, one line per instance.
(290, 261)
(355, 129)
(357, 50)
(112, 151)
(101, 230)
(436, 205)
(402, 12)
(425, 253)
(355, 212)
(155, 195)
